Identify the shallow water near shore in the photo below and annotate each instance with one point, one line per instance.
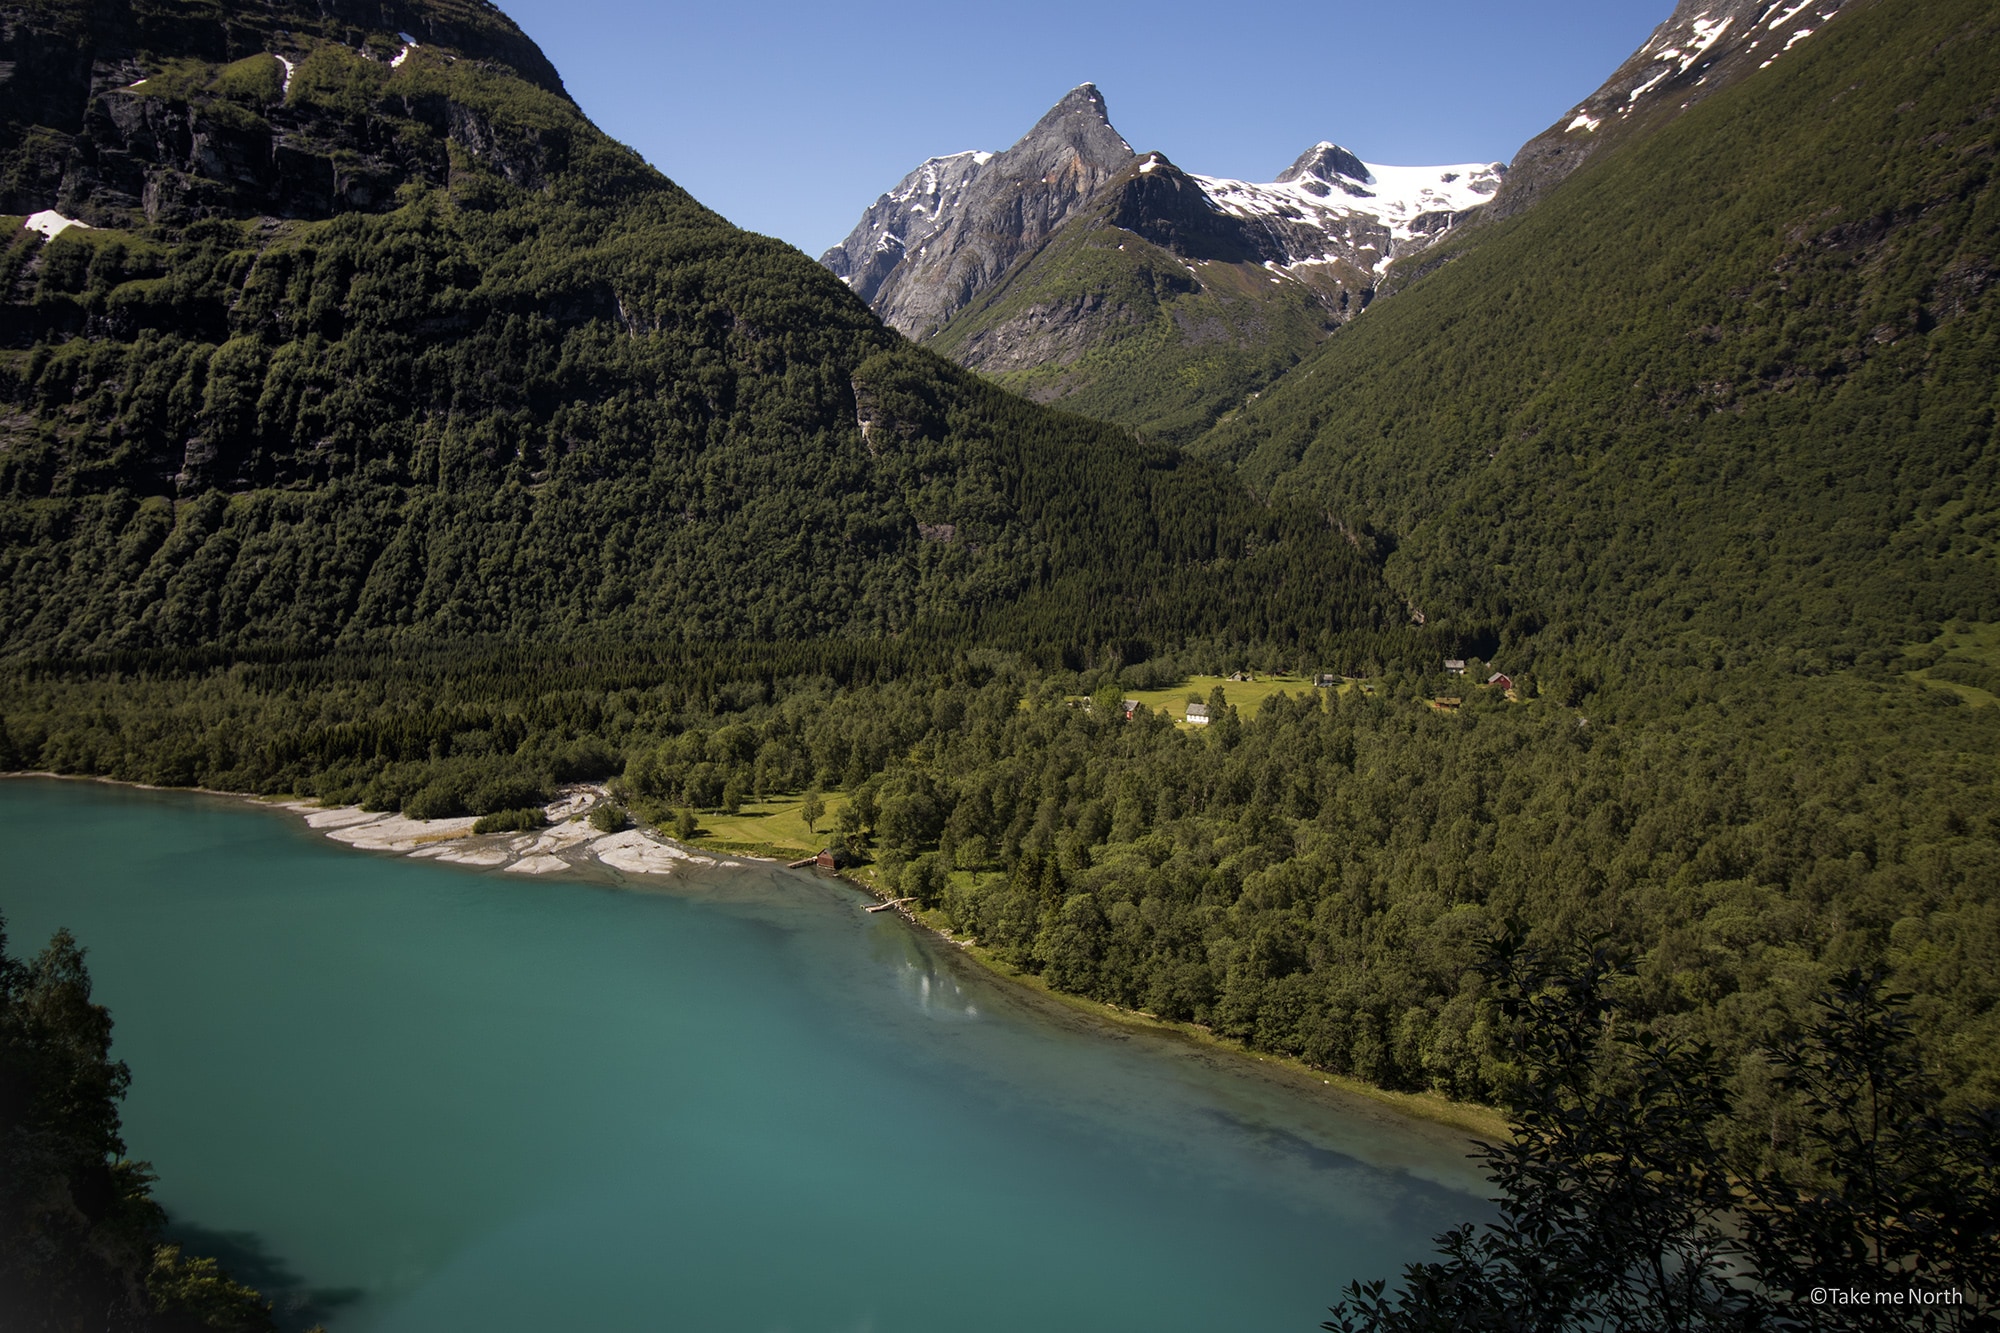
(404, 1096)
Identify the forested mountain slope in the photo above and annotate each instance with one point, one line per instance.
(1729, 391)
(1701, 48)
(370, 332)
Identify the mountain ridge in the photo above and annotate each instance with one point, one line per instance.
(1695, 52)
(948, 235)
(946, 258)
(1327, 207)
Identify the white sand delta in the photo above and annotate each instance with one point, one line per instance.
(568, 844)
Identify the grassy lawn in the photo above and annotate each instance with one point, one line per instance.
(775, 825)
(1975, 643)
(1246, 696)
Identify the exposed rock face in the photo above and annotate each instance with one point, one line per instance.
(950, 233)
(1703, 47)
(918, 207)
(1049, 333)
(953, 226)
(1326, 228)
(89, 132)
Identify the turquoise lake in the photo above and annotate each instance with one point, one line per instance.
(405, 1096)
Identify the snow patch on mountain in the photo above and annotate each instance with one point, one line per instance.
(1702, 47)
(930, 178)
(51, 223)
(1707, 33)
(1787, 16)
(922, 204)
(1329, 199)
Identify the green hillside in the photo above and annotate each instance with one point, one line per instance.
(1727, 393)
(398, 343)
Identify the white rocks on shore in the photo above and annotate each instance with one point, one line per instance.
(570, 843)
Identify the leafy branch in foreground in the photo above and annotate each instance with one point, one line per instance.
(80, 1245)
(1623, 1208)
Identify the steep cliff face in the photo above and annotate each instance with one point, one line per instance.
(101, 113)
(1703, 47)
(954, 226)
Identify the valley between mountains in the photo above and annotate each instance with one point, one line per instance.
(1622, 521)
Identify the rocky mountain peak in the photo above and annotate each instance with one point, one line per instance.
(1083, 102)
(954, 225)
(1080, 115)
(1330, 163)
(1075, 133)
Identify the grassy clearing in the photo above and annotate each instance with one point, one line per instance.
(1980, 643)
(1247, 696)
(776, 826)
(1970, 667)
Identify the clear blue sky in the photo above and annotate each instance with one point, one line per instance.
(790, 118)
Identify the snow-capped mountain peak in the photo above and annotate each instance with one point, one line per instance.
(1329, 164)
